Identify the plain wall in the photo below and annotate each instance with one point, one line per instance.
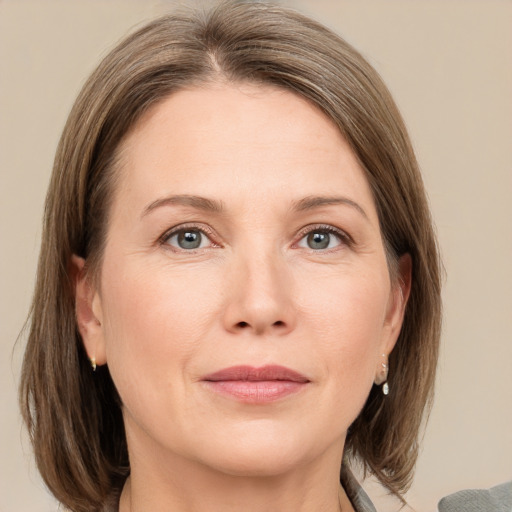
(448, 64)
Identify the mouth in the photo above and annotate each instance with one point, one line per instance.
(256, 385)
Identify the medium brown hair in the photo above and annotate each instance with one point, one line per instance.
(73, 415)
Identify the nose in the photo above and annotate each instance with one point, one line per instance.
(260, 296)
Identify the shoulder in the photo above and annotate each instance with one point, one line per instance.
(496, 499)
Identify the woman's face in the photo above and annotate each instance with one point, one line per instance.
(245, 300)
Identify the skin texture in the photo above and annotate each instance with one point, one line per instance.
(253, 293)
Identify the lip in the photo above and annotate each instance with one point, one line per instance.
(256, 385)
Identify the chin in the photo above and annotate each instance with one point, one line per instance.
(262, 454)
(260, 463)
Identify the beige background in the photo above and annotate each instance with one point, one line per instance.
(448, 63)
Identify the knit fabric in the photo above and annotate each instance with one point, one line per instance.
(497, 499)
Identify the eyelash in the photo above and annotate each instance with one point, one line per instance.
(343, 237)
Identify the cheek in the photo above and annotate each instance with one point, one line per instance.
(155, 323)
(347, 321)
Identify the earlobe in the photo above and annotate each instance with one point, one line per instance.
(400, 292)
(88, 312)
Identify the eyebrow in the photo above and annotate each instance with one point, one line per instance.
(213, 206)
(312, 202)
(200, 203)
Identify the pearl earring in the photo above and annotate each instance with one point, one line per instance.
(382, 375)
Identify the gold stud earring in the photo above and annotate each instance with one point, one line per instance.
(93, 363)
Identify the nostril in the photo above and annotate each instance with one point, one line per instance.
(244, 325)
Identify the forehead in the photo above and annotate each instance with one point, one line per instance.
(227, 139)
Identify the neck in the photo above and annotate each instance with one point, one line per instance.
(252, 497)
(169, 482)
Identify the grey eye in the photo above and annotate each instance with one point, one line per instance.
(318, 240)
(188, 239)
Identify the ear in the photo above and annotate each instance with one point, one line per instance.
(88, 310)
(400, 291)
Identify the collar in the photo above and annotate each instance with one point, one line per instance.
(360, 500)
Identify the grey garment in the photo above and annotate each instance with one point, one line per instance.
(360, 500)
(497, 499)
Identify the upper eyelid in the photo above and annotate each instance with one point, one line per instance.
(181, 227)
(326, 227)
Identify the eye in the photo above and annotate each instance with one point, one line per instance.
(187, 239)
(321, 238)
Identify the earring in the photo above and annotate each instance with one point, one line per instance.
(93, 363)
(382, 375)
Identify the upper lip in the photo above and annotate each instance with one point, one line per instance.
(250, 373)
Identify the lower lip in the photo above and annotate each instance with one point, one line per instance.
(256, 392)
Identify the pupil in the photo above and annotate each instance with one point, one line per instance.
(189, 239)
(318, 240)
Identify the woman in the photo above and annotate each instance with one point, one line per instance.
(238, 290)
